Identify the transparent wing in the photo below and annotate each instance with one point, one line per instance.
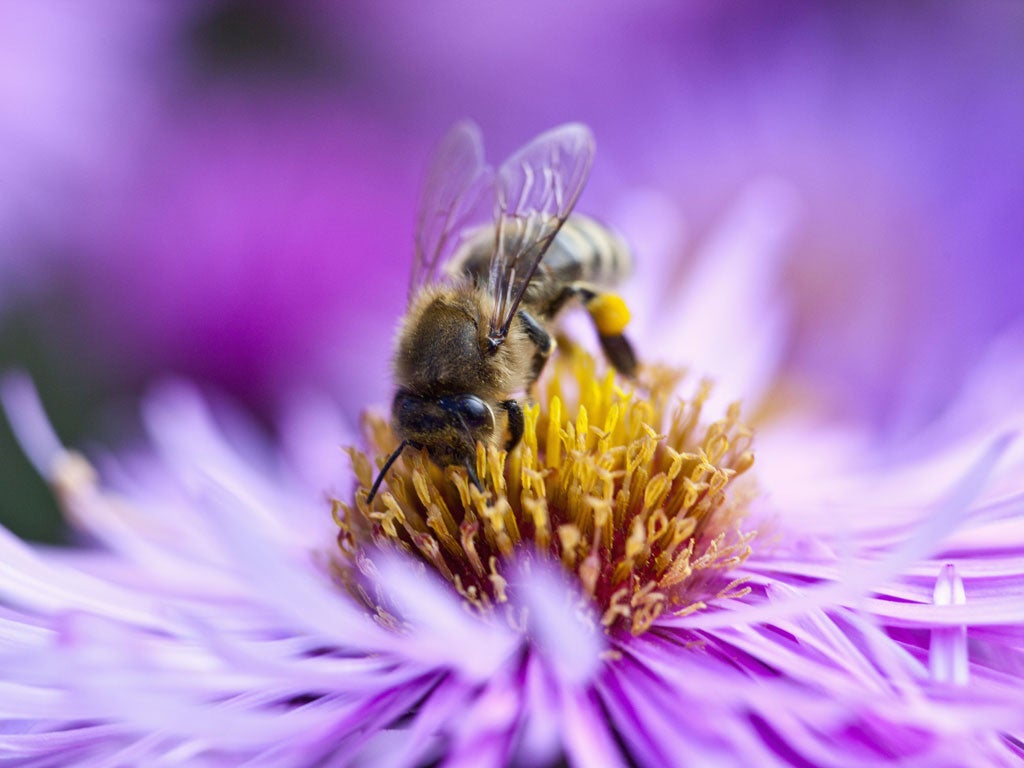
(536, 190)
(455, 181)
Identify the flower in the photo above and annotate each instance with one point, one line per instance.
(901, 128)
(643, 520)
(291, 207)
(66, 72)
(209, 616)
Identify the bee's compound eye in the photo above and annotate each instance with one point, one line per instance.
(473, 411)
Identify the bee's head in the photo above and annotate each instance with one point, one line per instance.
(448, 426)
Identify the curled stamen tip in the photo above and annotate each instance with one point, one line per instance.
(947, 654)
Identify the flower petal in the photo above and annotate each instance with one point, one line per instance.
(947, 656)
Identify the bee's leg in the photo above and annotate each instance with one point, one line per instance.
(610, 315)
(535, 331)
(537, 368)
(543, 340)
(516, 423)
(619, 352)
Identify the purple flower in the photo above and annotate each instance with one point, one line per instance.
(244, 242)
(900, 128)
(77, 90)
(210, 617)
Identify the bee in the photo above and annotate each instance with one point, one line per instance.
(482, 300)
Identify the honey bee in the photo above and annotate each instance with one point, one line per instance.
(482, 300)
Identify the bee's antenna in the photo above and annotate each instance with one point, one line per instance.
(384, 470)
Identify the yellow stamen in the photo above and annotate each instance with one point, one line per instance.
(631, 491)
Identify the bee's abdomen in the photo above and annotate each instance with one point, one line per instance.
(584, 251)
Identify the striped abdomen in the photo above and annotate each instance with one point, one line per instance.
(584, 252)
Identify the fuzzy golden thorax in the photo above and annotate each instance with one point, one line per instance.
(634, 492)
(442, 347)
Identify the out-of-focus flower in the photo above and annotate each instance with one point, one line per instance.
(243, 250)
(81, 84)
(76, 92)
(876, 617)
(900, 126)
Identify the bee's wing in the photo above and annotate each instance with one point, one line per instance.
(456, 178)
(536, 190)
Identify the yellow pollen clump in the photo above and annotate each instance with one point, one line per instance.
(633, 491)
(609, 312)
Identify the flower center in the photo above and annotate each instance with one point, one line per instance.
(631, 490)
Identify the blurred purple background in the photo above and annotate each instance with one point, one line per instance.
(226, 190)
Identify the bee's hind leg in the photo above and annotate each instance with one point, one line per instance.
(619, 352)
(610, 316)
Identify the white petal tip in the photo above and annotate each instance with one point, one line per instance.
(947, 654)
